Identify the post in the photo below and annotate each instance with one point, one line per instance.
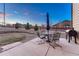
(72, 15)
(4, 15)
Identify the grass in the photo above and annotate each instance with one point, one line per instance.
(10, 39)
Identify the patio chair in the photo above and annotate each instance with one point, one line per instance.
(54, 39)
(42, 38)
(56, 36)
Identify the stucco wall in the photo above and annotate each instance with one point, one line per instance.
(76, 16)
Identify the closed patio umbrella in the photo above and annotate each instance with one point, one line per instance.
(48, 27)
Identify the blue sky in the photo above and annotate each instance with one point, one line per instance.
(35, 13)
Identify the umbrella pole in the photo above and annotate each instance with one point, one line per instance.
(48, 36)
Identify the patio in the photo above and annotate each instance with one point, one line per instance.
(32, 48)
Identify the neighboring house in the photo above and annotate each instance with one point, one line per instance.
(66, 24)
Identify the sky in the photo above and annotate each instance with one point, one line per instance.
(35, 13)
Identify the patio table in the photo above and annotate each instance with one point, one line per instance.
(52, 37)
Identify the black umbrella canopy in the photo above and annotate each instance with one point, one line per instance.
(48, 26)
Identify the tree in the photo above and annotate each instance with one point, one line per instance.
(30, 26)
(17, 25)
(27, 26)
(36, 27)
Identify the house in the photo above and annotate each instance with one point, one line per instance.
(66, 24)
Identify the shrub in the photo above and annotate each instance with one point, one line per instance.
(17, 25)
(36, 27)
(27, 26)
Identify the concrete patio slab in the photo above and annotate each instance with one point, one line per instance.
(32, 48)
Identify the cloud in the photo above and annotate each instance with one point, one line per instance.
(8, 21)
(26, 13)
(16, 12)
(2, 14)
